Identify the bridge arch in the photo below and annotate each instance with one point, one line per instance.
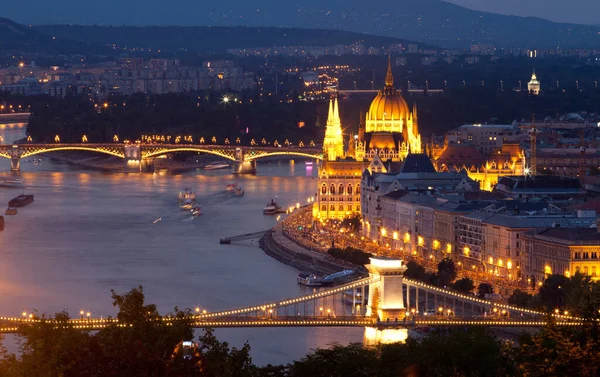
(28, 152)
(163, 151)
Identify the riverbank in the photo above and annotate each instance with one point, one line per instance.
(14, 118)
(280, 247)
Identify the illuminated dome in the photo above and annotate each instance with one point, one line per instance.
(389, 112)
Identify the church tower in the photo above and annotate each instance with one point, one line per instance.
(333, 145)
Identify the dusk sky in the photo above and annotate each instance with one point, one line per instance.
(149, 12)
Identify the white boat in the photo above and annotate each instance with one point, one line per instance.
(12, 182)
(311, 280)
(330, 279)
(238, 192)
(196, 211)
(216, 166)
(186, 195)
(231, 187)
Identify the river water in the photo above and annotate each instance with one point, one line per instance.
(88, 232)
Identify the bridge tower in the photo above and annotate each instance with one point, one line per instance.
(241, 165)
(386, 301)
(386, 298)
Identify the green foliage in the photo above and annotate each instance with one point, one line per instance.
(351, 255)
(464, 285)
(552, 293)
(520, 298)
(446, 272)
(484, 289)
(415, 271)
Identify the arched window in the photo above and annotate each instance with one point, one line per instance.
(585, 270)
(357, 208)
(324, 207)
(341, 189)
(324, 189)
(350, 189)
(350, 209)
(593, 270)
(332, 208)
(332, 189)
(358, 189)
(341, 207)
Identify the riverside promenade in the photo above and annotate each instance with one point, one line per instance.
(279, 246)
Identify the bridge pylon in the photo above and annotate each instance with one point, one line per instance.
(386, 297)
(241, 165)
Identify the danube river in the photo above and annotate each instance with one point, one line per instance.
(88, 232)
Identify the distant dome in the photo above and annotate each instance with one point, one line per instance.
(388, 105)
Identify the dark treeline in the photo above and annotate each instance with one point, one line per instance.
(204, 114)
(147, 347)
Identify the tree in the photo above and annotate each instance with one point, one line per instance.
(338, 361)
(446, 272)
(484, 289)
(552, 292)
(520, 298)
(415, 271)
(464, 285)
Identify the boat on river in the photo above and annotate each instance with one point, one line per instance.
(271, 208)
(12, 182)
(186, 195)
(308, 279)
(196, 211)
(21, 201)
(216, 166)
(238, 192)
(10, 211)
(231, 187)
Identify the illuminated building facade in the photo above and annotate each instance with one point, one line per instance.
(564, 251)
(390, 131)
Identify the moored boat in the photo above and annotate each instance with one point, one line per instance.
(10, 211)
(308, 279)
(231, 187)
(196, 211)
(238, 192)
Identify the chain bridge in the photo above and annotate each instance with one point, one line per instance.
(385, 303)
(140, 157)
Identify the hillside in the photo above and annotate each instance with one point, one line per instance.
(430, 21)
(18, 38)
(214, 39)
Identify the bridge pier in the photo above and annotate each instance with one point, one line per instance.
(133, 159)
(241, 165)
(244, 167)
(15, 163)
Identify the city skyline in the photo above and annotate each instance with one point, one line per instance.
(186, 12)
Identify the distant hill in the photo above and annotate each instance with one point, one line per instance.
(211, 39)
(15, 37)
(429, 21)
